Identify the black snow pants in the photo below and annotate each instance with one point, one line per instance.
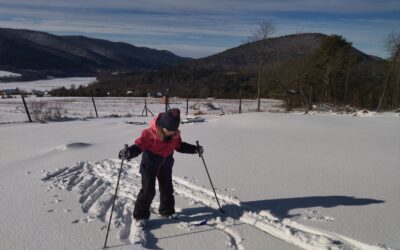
(155, 167)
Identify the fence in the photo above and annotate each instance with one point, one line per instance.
(13, 110)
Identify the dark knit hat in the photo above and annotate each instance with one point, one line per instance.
(170, 120)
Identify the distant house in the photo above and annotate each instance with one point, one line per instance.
(38, 93)
(157, 94)
(10, 91)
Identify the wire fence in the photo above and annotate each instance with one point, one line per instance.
(56, 108)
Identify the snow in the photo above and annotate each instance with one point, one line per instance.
(49, 84)
(285, 180)
(364, 113)
(12, 110)
(8, 74)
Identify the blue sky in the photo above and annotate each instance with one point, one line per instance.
(198, 28)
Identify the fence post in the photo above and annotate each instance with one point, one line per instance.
(145, 106)
(26, 107)
(187, 105)
(95, 109)
(145, 109)
(166, 103)
(240, 103)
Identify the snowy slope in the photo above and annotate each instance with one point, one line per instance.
(47, 85)
(287, 181)
(8, 74)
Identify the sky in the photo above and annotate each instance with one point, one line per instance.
(199, 28)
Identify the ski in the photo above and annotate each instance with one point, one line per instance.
(184, 218)
(200, 222)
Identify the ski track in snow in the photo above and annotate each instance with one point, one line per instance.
(95, 183)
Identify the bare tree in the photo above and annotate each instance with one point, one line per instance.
(392, 45)
(261, 34)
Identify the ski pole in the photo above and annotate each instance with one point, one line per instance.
(208, 174)
(115, 198)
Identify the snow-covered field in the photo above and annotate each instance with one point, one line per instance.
(47, 85)
(8, 74)
(12, 110)
(286, 181)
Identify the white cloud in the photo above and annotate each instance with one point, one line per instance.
(121, 28)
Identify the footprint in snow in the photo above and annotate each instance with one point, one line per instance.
(311, 211)
(313, 216)
(95, 184)
(84, 220)
(56, 201)
(74, 145)
(319, 218)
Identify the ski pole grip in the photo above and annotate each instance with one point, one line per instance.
(126, 148)
(198, 145)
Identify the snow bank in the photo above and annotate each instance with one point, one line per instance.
(364, 113)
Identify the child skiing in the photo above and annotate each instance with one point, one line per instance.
(157, 143)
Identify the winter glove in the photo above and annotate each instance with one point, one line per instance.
(125, 153)
(199, 150)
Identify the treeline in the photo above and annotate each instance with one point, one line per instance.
(182, 82)
(334, 73)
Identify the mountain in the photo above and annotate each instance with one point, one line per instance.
(34, 51)
(326, 68)
(244, 60)
(246, 56)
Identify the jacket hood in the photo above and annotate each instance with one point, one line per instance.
(153, 123)
(153, 128)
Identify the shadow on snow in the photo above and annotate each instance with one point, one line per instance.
(281, 207)
(278, 207)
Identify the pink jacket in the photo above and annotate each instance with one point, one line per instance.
(151, 141)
